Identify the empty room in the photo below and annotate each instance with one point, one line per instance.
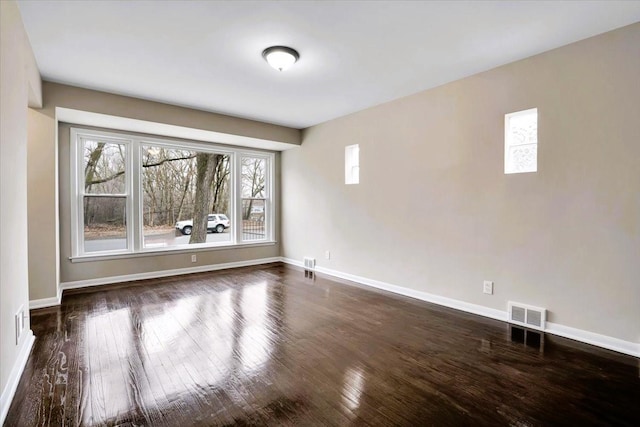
(319, 213)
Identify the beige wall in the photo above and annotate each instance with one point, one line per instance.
(57, 95)
(434, 211)
(45, 167)
(43, 206)
(19, 86)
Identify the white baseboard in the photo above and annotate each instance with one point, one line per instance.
(412, 293)
(14, 376)
(604, 341)
(53, 301)
(163, 273)
(46, 302)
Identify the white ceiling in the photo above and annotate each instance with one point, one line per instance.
(354, 55)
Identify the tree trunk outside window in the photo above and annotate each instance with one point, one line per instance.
(205, 170)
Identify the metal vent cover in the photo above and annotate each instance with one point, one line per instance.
(534, 318)
(527, 315)
(518, 314)
(309, 263)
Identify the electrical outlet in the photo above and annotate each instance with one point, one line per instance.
(194, 258)
(19, 322)
(487, 287)
(18, 317)
(327, 255)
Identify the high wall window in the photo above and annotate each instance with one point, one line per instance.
(134, 194)
(521, 141)
(352, 164)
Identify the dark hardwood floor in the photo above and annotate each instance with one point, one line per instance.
(271, 346)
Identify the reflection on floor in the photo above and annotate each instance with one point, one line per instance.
(272, 345)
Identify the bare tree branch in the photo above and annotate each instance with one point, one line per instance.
(144, 165)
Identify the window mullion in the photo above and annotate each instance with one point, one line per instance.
(77, 221)
(134, 225)
(269, 203)
(237, 197)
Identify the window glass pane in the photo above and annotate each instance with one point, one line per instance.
(178, 185)
(253, 177)
(105, 224)
(523, 158)
(253, 219)
(104, 167)
(253, 198)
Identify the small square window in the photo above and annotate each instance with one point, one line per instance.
(352, 164)
(521, 141)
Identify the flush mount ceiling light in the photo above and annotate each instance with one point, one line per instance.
(280, 57)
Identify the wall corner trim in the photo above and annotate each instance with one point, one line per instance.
(14, 376)
(46, 302)
(604, 341)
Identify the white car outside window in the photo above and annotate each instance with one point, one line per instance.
(216, 223)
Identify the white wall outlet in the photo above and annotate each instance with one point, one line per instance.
(19, 322)
(487, 287)
(194, 258)
(327, 255)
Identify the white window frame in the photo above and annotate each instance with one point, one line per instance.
(352, 164)
(133, 194)
(78, 193)
(508, 143)
(268, 195)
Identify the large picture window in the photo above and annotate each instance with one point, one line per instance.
(137, 195)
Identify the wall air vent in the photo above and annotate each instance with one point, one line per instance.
(527, 315)
(309, 263)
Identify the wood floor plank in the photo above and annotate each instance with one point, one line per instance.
(271, 345)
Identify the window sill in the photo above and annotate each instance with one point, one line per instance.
(166, 251)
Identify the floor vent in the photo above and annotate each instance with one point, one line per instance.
(309, 263)
(527, 315)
